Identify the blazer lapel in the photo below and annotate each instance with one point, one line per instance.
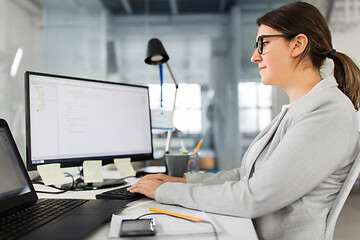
(243, 169)
(266, 135)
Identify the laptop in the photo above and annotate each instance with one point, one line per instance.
(24, 216)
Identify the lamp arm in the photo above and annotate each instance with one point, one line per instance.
(169, 133)
(172, 75)
(168, 141)
(175, 82)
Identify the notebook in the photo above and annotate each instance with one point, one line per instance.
(24, 216)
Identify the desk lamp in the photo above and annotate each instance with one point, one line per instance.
(156, 55)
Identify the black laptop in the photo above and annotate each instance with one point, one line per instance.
(24, 216)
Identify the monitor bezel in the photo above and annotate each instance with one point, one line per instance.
(76, 162)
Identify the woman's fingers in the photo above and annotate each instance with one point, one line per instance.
(158, 176)
(146, 187)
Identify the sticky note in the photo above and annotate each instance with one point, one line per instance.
(92, 171)
(51, 173)
(124, 167)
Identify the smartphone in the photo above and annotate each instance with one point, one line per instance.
(137, 227)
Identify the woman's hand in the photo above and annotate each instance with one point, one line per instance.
(148, 184)
(146, 187)
(164, 178)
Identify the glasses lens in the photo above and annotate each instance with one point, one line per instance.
(260, 45)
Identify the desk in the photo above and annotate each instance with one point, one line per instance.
(231, 227)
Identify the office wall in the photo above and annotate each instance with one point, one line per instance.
(20, 27)
(225, 74)
(187, 40)
(343, 41)
(75, 38)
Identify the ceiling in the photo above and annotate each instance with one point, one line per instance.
(167, 7)
(192, 7)
(182, 7)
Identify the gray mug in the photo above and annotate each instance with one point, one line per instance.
(177, 164)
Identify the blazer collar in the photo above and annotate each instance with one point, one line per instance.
(325, 83)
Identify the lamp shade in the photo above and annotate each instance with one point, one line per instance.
(156, 54)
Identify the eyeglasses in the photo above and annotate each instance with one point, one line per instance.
(260, 41)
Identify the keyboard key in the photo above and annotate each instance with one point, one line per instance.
(120, 193)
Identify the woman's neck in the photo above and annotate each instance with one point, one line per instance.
(301, 83)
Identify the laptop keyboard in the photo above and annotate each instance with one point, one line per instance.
(15, 225)
(121, 194)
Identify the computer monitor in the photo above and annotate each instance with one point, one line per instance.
(70, 120)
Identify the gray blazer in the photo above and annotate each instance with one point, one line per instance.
(294, 176)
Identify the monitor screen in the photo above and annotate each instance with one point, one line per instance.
(13, 182)
(70, 120)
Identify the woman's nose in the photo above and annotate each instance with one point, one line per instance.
(256, 57)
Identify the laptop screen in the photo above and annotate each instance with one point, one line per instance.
(13, 182)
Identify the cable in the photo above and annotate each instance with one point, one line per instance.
(212, 225)
(146, 215)
(62, 190)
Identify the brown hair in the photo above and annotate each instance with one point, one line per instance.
(300, 17)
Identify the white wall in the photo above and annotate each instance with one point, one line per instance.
(346, 41)
(20, 26)
(75, 39)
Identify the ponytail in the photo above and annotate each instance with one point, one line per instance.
(347, 75)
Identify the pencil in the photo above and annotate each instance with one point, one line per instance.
(195, 152)
(193, 219)
(197, 148)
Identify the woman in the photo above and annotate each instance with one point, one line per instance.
(295, 167)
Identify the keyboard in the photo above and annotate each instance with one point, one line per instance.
(17, 224)
(121, 194)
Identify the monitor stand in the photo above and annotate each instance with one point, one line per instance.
(79, 183)
(150, 170)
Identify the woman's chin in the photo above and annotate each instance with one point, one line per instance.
(265, 81)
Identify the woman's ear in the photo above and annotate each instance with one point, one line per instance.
(299, 44)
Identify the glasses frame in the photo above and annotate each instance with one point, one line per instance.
(260, 41)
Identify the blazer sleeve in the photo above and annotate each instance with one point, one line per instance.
(211, 178)
(310, 151)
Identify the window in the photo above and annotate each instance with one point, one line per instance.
(255, 100)
(187, 115)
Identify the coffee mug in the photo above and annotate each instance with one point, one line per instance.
(176, 164)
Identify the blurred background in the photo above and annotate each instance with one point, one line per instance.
(210, 42)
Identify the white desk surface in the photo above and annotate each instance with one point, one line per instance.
(231, 227)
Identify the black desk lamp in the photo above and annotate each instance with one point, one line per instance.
(156, 55)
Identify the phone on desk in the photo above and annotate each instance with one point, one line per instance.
(137, 227)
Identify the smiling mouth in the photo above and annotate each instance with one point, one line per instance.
(261, 68)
